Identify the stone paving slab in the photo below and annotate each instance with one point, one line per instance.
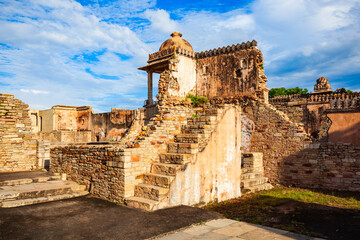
(227, 229)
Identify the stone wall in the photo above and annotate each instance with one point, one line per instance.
(292, 158)
(326, 165)
(18, 145)
(100, 168)
(230, 73)
(275, 135)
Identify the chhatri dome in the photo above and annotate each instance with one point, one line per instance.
(176, 41)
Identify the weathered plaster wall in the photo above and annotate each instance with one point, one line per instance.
(111, 125)
(18, 150)
(230, 74)
(83, 118)
(345, 127)
(47, 120)
(216, 173)
(65, 118)
(184, 75)
(35, 120)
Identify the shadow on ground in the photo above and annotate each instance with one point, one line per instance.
(305, 218)
(92, 218)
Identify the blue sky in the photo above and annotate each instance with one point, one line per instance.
(87, 52)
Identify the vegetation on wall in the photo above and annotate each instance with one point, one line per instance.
(196, 100)
(283, 91)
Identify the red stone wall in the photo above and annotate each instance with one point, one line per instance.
(345, 127)
(326, 165)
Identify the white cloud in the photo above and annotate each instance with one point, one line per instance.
(33, 91)
(88, 55)
(44, 43)
(160, 21)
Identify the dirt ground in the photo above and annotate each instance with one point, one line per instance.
(317, 220)
(92, 218)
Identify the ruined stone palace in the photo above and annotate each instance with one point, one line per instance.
(174, 152)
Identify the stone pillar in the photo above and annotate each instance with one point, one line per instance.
(150, 88)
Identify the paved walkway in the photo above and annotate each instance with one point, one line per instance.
(233, 230)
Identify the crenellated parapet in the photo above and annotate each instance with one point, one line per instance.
(335, 99)
(208, 53)
(170, 51)
(228, 49)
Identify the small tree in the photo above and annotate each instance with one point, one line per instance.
(343, 90)
(283, 91)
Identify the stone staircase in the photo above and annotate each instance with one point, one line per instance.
(37, 189)
(252, 179)
(193, 138)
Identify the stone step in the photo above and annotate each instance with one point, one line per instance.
(250, 175)
(246, 170)
(157, 179)
(150, 191)
(36, 190)
(196, 126)
(16, 182)
(253, 182)
(142, 203)
(210, 112)
(184, 148)
(265, 186)
(165, 168)
(29, 180)
(176, 158)
(30, 201)
(196, 131)
(189, 138)
(203, 119)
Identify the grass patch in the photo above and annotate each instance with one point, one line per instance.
(327, 198)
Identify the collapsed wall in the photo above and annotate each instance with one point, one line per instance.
(18, 146)
(292, 157)
(313, 110)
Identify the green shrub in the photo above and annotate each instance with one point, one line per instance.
(195, 100)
